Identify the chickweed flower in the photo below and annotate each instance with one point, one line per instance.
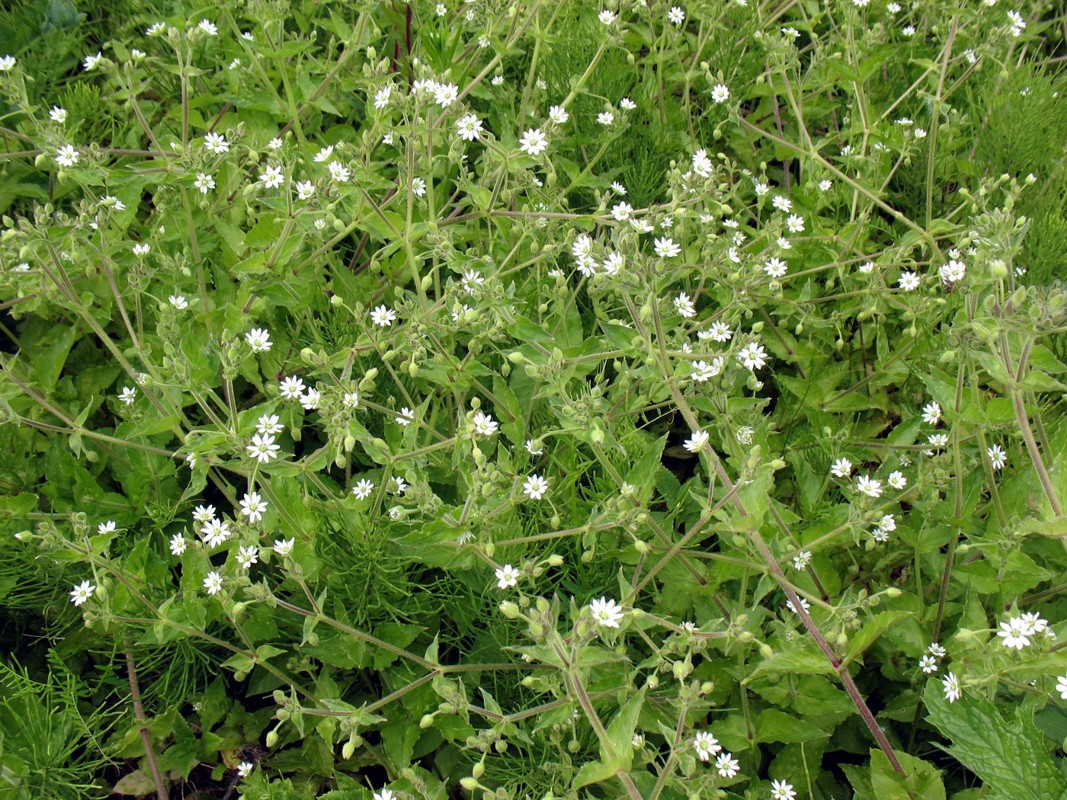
(869, 486)
(534, 142)
(997, 457)
(213, 583)
(953, 690)
(259, 340)
(469, 128)
(128, 395)
(406, 416)
(284, 547)
(558, 115)
(291, 388)
(216, 143)
(91, 61)
(383, 317)
(719, 93)
(1061, 686)
(58, 114)
(363, 488)
(253, 506)
(928, 664)
(82, 592)
(272, 177)
(726, 765)
(607, 17)
(247, 556)
(177, 544)
(666, 248)
(841, 468)
(535, 487)
(507, 577)
(685, 305)
(67, 156)
(931, 413)
(696, 442)
(753, 356)
(484, 424)
(780, 790)
(204, 182)
(263, 448)
(606, 613)
(676, 16)
(7, 63)
(897, 480)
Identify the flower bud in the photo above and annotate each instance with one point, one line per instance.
(272, 738)
(426, 721)
(470, 784)
(555, 560)
(510, 610)
(478, 770)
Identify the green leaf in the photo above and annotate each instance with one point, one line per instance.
(594, 772)
(773, 725)
(871, 631)
(1010, 756)
(621, 729)
(920, 781)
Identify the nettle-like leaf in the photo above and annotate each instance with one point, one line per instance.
(1009, 754)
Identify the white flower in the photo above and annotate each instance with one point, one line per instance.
(384, 794)
(213, 583)
(753, 356)
(327, 151)
(841, 468)
(937, 439)
(1061, 687)
(339, 172)
(534, 448)
(245, 767)
(7, 63)
(776, 267)
(928, 664)
(383, 317)
(215, 532)
(208, 27)
(216, 143)
(82, 592)
(405, 417)
(91, 61)
(362, 490)
(67, 156)
(802, 559)
(666, 248)
(177, 544)
(418, 187)
(350, 400)
(507, 577)
(445, 94)
(685, 305)
(997, 457)
(203, 514)
(952, 272)
(291, 388)
(284, 547)
(825, 184)
(247, 556)
(626, 104)
(936, 650)
(607, 17)
(535, 487)
(259, 340)
(204, 182)
(953, 692)
(703, 371)
(676, 15)
(606, 613)
(272, 177)
(310, 400)
(727, 765)
(795, 223)
(897, 480)
(1018, 25)
(1014, 633)
(706, 745)
(696, 442)
(931, 413)
(619, 189)
(719, 93)
(253, 506)
(399, 486)
(803, 602)
(484, 424)
(719, 332)
(533, 142)
(558, 115)
(469, 127)
(605, 117)
(305, 190)
(780, 790)
(381, 97)
(614, 263)
(621, 211)
(57, 114)
(908, 281)
(128, 395)
(869, 486)
(782, 203)
(263, 448)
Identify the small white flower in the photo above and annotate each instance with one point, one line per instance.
(753, 356)
(869, 486)
(1061, 686)
(685, 305)
(706, 745)
(311, 399)
(703, 371)
(719, 93)
(259, 340)
(802, 559)
(247, 556)
(952, 272)
(253, 506)
(932, 413)
(676, 15)
(445, 94)
(803, 602)
(141, 249)
(57, 114)
(727, 765)
(362, 490)
(216, 143)
(383, 317)
(381, 97)
(291, 388)
(928, 664)
(305, 190)
(936, 650)
(666, 248)
(605, 117)
(203, 514)
(208, 27)
(897, 480)
(418, 187)
(782, 203)
(350, 400)
(908, 281)
(327, 151)
(795, 223)
(215, 532)
(535, 487)
(626, 104)
(406, 416)
(776, 267)
(91, 61)
(607, 17)
(953, 691)
(1014, 633)
(82, 592)
(607, 613)
(484, 424)
(619, 189)
(213, 583)
(263, 448)
(398, 486)
(534, 448)
(780, 790)
(469, 127)
(244, 769)
(558, 115)
(997, 457)
(7, 63)
(507, 577)
(533, 142)
(621, 211)
(696, 442)
(272, 177)
(128, 395)
(841, 468)
(204, 182)
(937, 439)
(67, 156)
(284, 547)
(177, 544)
